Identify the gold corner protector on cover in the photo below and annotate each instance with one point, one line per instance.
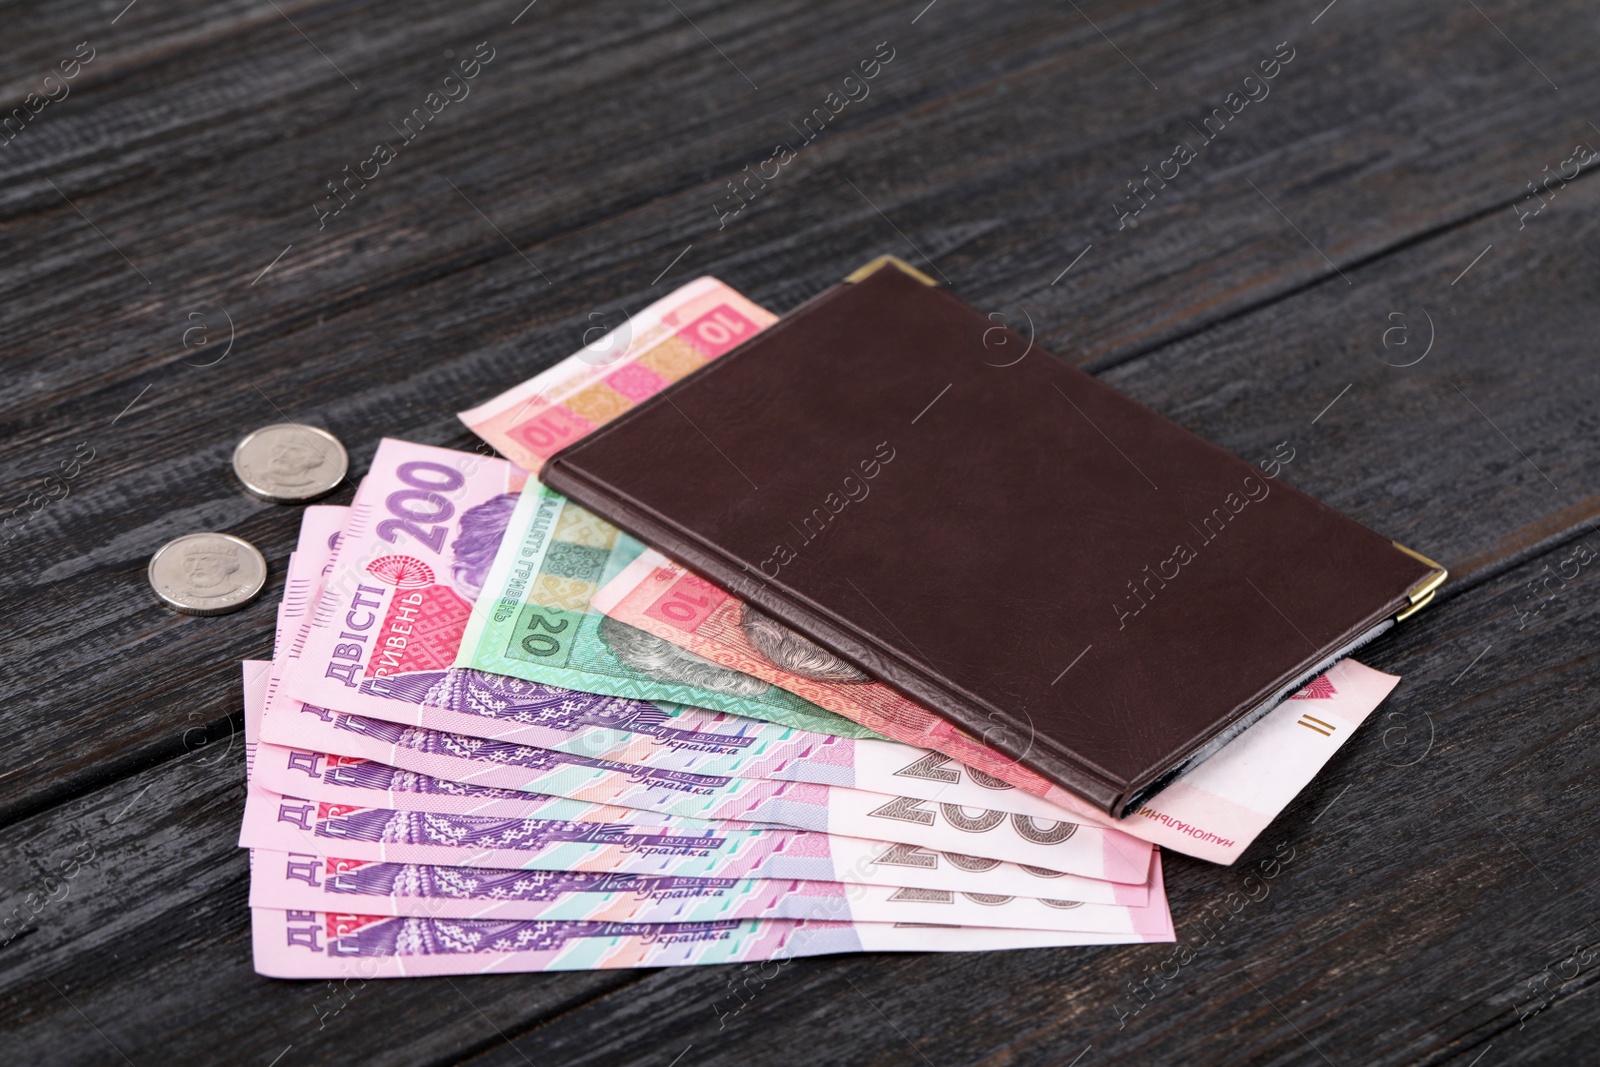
(1421, 594)
(889, 261)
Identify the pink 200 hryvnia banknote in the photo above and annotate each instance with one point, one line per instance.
(420, 536)
(311, 944)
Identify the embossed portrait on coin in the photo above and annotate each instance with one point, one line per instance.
(472, 552)
(793, 653)
(292, 460)
(666, 662)
(210, 567)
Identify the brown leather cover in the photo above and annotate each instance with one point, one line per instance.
(1018, 519)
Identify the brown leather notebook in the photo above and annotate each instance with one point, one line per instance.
(996, 534)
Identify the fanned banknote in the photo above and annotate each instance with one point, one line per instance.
(312, 882)
(307, 570)
(411, 559)
(1212, 812)
(543, 835)
(534, 623)
(310, 944)
(1075, 848)
(677, 334)
(387, 835)
(299, 824)
(570, 831)
(689, 740)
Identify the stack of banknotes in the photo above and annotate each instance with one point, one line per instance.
(493, 737)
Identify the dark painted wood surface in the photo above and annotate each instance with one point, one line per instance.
(1443, 884)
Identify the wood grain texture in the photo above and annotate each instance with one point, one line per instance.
(1256, 289)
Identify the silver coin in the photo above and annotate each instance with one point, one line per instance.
(207, 573)
(289, 463)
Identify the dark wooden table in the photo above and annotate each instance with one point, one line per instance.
(1384, 255)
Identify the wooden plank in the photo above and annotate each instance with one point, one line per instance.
(1041, 154)
(1453, 413)
(121, 36)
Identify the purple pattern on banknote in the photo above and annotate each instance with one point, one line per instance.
(482, 527)
(513, 700)
(364, 936)
(478, 831)
(509, 754)
(365, 774)
(480, 883)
